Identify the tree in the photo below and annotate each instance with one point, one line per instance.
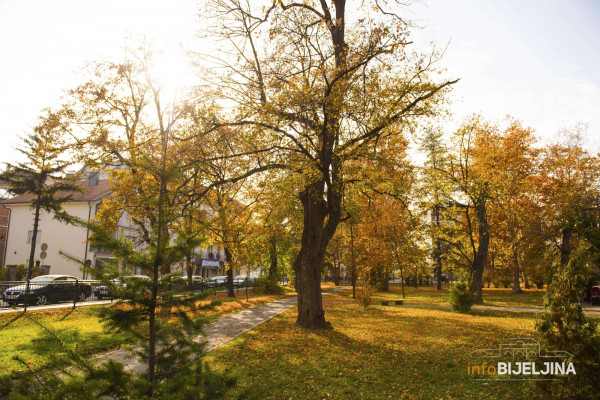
(473, 184)
(565, 327)
(514, 161)
(437, 192)
(568, 184)
(275, 228)
(126, 120)
(319, 89)
(43, 175)
(387, 232)
(229, 225)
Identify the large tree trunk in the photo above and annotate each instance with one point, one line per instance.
(230, 289)
(386, 279)
(152, 329)
(515, 260)
(438, 259)
(273, 255)
(438, 250)
(272, 274)
(482, 251)
(309, 262)
(353, 260)
(565, 247)
(516, 273)
(190, 272)
(402, 282)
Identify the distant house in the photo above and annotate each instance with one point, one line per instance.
(58, 236)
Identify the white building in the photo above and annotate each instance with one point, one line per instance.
(57, 236)
(62, 237)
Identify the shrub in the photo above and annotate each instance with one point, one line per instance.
(565, 327)
(21, 274)
(365, 296)
(461, 298)
(267, 286)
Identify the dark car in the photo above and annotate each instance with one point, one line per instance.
(46, 289)
(104, 291)
(595, 295)
(197, 281)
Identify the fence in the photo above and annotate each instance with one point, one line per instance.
(39, 292)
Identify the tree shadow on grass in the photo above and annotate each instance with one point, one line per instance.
(13, 320)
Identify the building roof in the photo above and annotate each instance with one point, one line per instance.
(89, 193)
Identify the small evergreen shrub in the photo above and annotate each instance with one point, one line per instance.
(365, 295)
(461, 298)
(565, 327)
(265, 285)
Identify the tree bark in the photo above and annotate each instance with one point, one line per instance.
(515, 260)
(438, 250)
(189, 272)
(230, 291)
(482, 250)
(565, 247)
(402, 283)
(272, 274)
(309, 262)
(386, 280)
(273, 255)
(416, 283)
(516, 273)
(353, 260)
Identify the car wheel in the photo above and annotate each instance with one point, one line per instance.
(41, 300)
(100, 297)
(81, 296)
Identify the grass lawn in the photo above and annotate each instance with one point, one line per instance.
(82, 328)
(378, 353)
(491, 297)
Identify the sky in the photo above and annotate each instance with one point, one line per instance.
(537, 60)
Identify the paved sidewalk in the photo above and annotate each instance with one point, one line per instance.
(221, 331)
(592, 311)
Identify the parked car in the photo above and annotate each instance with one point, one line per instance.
(595, 295)
(241, 280)
(197, 281)
(104, 291)
(216, 281)
(46, 289)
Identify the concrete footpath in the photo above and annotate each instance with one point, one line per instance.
(218, 332)
(589, 310)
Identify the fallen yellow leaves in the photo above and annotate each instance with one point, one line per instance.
(380, 353)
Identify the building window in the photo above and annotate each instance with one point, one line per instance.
(38, 238)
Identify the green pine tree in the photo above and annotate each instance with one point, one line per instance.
(43, 174)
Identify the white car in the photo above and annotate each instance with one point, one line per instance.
(216, 281)
(241, 280)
